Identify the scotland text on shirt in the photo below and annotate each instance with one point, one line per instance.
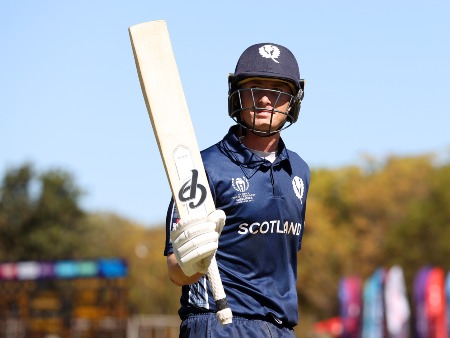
(273, 227)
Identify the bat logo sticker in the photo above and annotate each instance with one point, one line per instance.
(188, 191)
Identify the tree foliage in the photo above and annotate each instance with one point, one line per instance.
(150, 290)
(40, 215)
(358, 219)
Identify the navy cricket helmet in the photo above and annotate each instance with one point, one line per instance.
(266, 61)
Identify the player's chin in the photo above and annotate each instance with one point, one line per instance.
(265, 129)
(267, 126)
(263, 125)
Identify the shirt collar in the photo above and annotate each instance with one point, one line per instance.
(245, 158)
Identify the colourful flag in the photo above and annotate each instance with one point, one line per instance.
(421, 321)
(350, 306)
(447, 293)
(373, 311)
(436, 304)
(396, 304)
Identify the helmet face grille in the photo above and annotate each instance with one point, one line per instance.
(236, 107)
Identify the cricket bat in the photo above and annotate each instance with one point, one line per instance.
(174, 132)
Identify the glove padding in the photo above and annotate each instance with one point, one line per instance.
(195, 241)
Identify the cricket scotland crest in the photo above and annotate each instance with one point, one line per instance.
(299, 187)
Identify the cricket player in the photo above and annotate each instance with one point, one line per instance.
(259, 188)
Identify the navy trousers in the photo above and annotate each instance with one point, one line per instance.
(207, 326)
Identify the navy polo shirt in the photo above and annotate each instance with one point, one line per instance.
(265, 205)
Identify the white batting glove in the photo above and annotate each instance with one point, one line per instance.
(195, 241)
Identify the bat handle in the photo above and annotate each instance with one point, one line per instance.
(223, 310)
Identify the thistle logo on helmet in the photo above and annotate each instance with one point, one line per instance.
(270, 52)
(188, 191)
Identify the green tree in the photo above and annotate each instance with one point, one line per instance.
(421, 236)
(396, 211)
(15, 208)
(361, 218)
(149, 288)
(40, 216)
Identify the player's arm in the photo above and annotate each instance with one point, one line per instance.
(177, 276)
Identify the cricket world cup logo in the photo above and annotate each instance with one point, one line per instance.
(240, 184)
(189, 191)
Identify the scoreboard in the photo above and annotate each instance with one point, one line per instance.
(64, 269)
(64, 297)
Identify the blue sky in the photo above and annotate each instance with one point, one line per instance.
(377, 82)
